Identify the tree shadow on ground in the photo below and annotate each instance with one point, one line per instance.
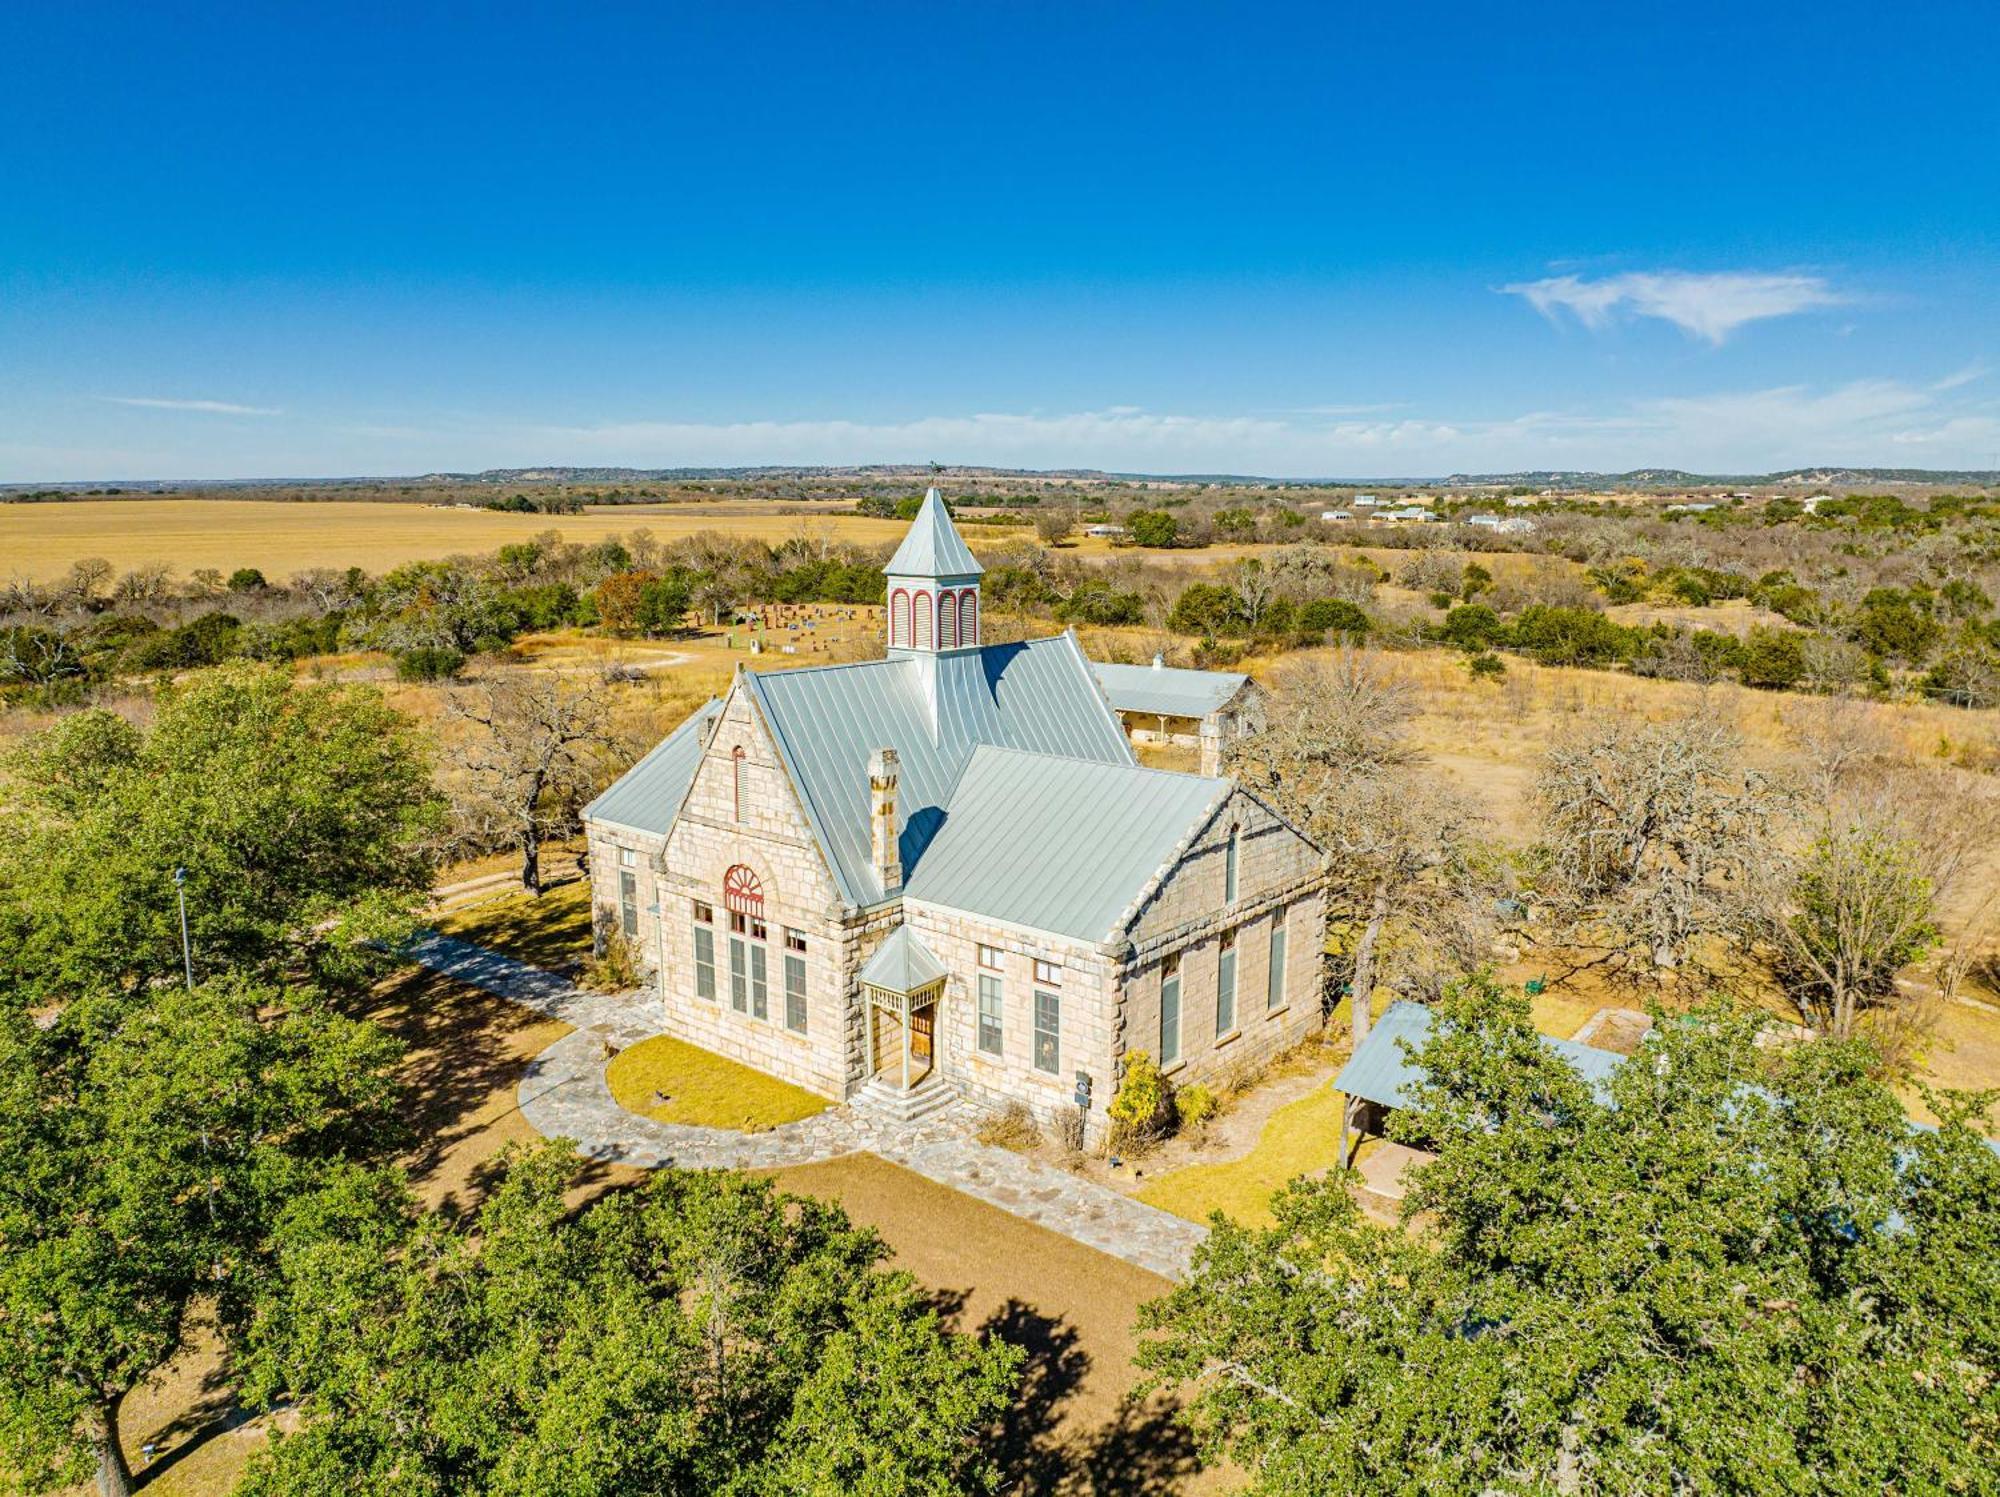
(1141, 1452)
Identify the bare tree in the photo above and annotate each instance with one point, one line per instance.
(1054, 524)
(1644, 828)
(1333, 757)
(535, 744)
(87, 578)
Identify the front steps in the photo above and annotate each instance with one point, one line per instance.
(885, 1100)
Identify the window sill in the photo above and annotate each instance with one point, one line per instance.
(1177, 1066)
(1228, 1039)
(1279, 1012)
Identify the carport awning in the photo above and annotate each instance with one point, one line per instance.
(1384, 1070)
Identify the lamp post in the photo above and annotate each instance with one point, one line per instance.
(187, 951)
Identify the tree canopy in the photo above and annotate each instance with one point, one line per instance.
(702, 1334)
(1734, 1272)
(301, 813)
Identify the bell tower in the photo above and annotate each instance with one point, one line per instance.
(933, 586)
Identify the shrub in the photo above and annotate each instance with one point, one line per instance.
(1194, 1105)
(1473, 626)
(1324, 614)
(612, 970)
(246, 580)
(1013, 1127)
(428, 663)
(1486, 667)
(1205, 608)
(1774, 658)
(1139, 1112)
(1153, 527)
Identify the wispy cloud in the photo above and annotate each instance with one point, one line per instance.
(1709, 306)
(206, 407)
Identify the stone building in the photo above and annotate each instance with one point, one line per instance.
(1165, 704)
(943, 874)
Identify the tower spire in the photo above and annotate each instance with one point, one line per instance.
(934, 602)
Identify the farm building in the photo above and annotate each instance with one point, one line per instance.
(944, 874)
(1160, 703)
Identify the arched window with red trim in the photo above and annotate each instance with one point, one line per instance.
(968, 616)
(743, 891)
(922, 606)
(947, 620)
(899, 619)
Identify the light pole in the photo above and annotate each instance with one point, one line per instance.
(187, 951)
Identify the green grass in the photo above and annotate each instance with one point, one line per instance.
(546, 931)
(702, 1088)
(1300, 1138)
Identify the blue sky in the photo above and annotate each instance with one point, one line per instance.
(260, 240)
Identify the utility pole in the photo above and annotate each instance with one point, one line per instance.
(187, 951)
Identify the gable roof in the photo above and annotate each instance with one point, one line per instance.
(646, 797)
(1168, 689)
(933, 547)
(1383, 1068)
(903, 963)
(934, 711)
(1058, 844)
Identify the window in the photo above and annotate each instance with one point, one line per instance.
(626, 858)
(947, 621)
(1225, 984)
(968, 617)
(1170, 1010)
(1048, 1032)
(1229, 858)
(704, 963)
(1274, 983)
(990, 1005)
(739, 975)
(795, 940)
(704, 913)
(923, 605)
(741, 764)
(628, 902)
(899, 620)
(1048, 973)
(795, 986)
(760, 996)
(992, 958)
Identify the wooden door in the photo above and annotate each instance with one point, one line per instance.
(922, 1024)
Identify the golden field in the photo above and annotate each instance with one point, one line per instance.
(39, 541)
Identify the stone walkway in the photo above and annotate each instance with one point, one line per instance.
(563, 1095)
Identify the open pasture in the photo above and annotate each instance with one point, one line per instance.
(39, 541)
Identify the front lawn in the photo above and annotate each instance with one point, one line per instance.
(671, 1081)
(1302, 1138)
(549, 930)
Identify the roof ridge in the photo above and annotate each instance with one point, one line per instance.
(1151, 769)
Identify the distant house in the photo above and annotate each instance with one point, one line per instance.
(1410, 514)
(1365, 501)
(1335, 517)
(1515, 525)
(1160, 703)
(1691, 509)
(1105, 532)
(1482, 522)
(1521, 501)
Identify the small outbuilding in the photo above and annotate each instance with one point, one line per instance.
(1161, 703)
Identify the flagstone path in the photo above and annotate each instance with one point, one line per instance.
(563, 1095)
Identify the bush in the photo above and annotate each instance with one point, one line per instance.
(1486, 667)
(1325, 614)
(428, 663)
(613, 970)
(1013, 1127)
(247, 580)
(1773, 658)
(1205, 608)
(1153, 527)
(1571, 636)
(1194, 1105)
(1473, 626)
(1140, 1111)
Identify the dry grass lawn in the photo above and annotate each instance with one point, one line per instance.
(1302, 1138)
(551, 929)
(671, 1081)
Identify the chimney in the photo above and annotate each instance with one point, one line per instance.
(1211, 747)
(882, 819)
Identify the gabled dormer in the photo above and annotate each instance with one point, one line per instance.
(933, 586)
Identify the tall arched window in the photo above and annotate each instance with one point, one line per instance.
(947, 621)
(899, 620)
(740, 765)
(1229, 861)
(968, 616)
(921, 606)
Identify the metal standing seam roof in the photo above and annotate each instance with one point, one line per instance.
(1057, 844)
(933, 546)
(646, 797)
(1168, 689)
(934, 711)
(903, 963)
(1384, 1070)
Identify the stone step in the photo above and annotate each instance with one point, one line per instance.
(930, 1095)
